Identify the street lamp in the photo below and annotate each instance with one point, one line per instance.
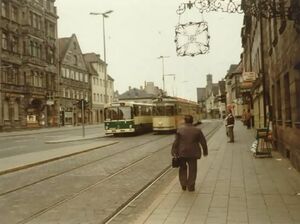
(174, 76)
(104, 15)
(163, 69)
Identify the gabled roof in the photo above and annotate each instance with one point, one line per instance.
(63, 44)
(94, 58)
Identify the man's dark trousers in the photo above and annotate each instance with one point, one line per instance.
(188, 172)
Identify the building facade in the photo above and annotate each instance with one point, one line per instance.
(28, 59)
(96, 68)
(272, 53)
(74, 83)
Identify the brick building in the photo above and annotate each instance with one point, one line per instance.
(28, 64)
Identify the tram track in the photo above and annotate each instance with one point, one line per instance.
(81, 166)
(106, 179)
(150, 184)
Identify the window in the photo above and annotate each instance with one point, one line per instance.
(14, 14)
(11, 76)
(95, 97)
(6, 110)
(67, 73)
(98, 98)
(51, 30)
(4, 8)
(75, 60)
(16, 111)
(71, 74)
(287, 98)
(50, 55)
(297, 99)
(86, 78)
(80, 76)
(31, 48)
(15, 44)
(4, 40)
(279, 111)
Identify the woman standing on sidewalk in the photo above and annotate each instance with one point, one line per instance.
(186, 147)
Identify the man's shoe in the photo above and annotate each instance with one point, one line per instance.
(183, 188)
(191, 188)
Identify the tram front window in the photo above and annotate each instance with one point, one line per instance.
(125, 113)
(164, 111)
(118, 113)
(111, 113)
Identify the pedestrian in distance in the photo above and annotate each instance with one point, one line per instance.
(230, 125)
(244, 117)
(186, 147)
(248, 119)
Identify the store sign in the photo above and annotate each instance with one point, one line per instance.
(68, 114)
(249, 76)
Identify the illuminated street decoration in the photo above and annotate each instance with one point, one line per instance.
(192, 39)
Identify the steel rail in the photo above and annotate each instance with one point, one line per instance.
(149, 185)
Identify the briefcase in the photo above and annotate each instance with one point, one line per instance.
(175, 162)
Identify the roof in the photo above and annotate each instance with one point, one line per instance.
(63, 44)
(215, 89)
(94, 58)
(136, 93)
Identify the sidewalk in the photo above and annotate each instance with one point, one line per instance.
(232, 187)
(23, 161)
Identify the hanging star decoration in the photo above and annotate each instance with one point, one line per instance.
(192, 39)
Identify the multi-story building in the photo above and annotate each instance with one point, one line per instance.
(96, 68)
(208, 98)
(74, 83)
(272, 53)
(28, 58)
(233, 90)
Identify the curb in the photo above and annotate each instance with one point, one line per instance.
(22, 167)
(74, 140)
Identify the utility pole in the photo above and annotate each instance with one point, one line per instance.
(163, 69)
(82, 117)
(104, 15)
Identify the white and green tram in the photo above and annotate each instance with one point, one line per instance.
(128, 117)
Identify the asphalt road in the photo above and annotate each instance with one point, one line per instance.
(27, 143)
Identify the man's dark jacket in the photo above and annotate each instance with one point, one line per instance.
(187, 142)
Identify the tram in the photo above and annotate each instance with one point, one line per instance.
(128, 117)
(169, 113)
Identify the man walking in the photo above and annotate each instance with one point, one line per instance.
(186, 147)
(229, 126)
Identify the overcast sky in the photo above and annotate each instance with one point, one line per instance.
(139, 31)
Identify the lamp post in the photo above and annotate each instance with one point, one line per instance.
(104, 15)
(163, 69)
(174, 76)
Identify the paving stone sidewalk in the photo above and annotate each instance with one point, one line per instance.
(233, 187)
